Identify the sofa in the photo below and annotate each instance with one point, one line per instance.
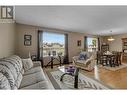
(87, 63)
(13, 75)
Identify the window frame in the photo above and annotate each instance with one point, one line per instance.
(51, 52)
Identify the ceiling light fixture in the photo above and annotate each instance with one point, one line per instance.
(111, 38)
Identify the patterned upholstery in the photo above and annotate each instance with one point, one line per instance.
(4, 83)
(13, 75)
(27, 64)
(18, 81)
(11, 67)
(6, 72)
(39, 85)
(32, 79)
(33, 70)
(17, 60)
(85, 64)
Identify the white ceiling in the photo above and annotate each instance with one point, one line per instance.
(96, 20)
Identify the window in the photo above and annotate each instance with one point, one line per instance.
(92, 44)
(53, 44)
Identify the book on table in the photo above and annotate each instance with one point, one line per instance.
(70, 69)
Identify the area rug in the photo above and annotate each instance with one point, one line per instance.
(84, 82)
(116, 67)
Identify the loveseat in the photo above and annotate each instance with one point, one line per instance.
(13, 75)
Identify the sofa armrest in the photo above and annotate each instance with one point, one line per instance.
(75, 58)
(36, 63)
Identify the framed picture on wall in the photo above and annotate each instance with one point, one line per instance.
(79, 43)
(27, 43)
(27, 37)
(27, 40)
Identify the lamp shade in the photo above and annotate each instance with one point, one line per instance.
(111, 39)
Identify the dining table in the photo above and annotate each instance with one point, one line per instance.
(110, 58)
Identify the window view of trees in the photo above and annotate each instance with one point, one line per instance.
(92, 44)
(53, 44)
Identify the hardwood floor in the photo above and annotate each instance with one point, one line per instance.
(115, 79)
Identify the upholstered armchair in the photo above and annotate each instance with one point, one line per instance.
(87, 64)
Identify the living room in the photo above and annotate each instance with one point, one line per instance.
(53, 38)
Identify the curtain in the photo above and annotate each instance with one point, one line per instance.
(66, 57)
(40, 48)
(85, 43)
(98, 44)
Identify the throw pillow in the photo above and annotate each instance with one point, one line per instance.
(82, 57)
(27, 64)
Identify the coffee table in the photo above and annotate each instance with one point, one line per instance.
(67, 72)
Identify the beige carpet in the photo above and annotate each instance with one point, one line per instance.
(116, 67)
(84, 82)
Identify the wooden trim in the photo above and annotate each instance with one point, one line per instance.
(124, 38)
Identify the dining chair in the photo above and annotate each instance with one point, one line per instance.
(104, 60)
(119, 58)
(113, 60)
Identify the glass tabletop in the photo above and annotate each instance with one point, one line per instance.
(67, 69)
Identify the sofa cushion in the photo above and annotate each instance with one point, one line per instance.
(17, 60)
(18, 81)
(7, 73)
(6, 60)
(4, 83)
(81, 61)
(22, 71)
(27, 64)
(32, 79)
(10, 67)
(82, 56)
(39, 85)
(36, 63)
(14, 64)
(33, 70)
